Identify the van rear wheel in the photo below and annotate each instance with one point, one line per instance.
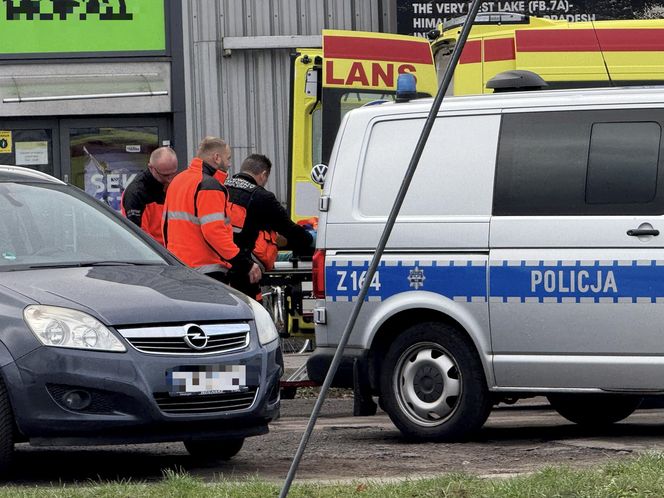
(432, 384)
(594, 409)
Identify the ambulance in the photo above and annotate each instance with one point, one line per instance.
(564, 54)
(353, 69)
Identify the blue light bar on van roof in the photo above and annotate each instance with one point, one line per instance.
(406, 87)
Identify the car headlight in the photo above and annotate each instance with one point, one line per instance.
(65, 328)
(267, 332)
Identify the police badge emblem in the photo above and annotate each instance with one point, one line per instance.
(416, 278)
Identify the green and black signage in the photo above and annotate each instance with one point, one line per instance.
(70, 27)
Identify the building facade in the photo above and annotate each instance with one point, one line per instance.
(237, 67)
(89, 89)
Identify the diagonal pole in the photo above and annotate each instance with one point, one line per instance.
(403, 190)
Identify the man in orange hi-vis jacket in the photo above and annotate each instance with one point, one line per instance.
(196, 224)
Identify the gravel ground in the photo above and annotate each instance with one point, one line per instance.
(516, 439)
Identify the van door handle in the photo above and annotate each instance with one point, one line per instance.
(637, 232)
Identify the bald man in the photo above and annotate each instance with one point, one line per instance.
(143, 200)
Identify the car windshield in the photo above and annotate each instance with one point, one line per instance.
(44, 225)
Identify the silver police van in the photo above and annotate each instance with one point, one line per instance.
(527, 258)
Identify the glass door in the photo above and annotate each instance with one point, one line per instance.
(102, 156)
(31, 143)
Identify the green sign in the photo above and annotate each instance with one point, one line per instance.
(81, 26)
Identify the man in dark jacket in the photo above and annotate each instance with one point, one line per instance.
(143, 200)
(255, 210)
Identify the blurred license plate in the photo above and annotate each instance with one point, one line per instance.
(208, 379)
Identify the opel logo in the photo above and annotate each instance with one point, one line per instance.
(195, 337)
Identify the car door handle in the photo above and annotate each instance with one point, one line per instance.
(637, 232)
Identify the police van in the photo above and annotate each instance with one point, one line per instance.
(526, 260)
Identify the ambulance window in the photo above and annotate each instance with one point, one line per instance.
(353, 100)
(622, 164)
(442, 56)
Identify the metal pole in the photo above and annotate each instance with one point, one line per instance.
(403, 190)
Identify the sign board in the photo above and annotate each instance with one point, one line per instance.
(419, 17)
(374, 61)
(31, 153)
(5, 142)
(94, 27)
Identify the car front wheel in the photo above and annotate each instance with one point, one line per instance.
(433, 385)
(214, 450)
(6, 431)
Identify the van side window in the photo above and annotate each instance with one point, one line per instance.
(446, 175)
(622, 164)
(580, 163)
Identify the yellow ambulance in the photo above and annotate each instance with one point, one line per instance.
(564, 54)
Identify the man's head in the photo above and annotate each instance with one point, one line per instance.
(163, 165)
(258, 166)
(215, 152)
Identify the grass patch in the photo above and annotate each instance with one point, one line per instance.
(638, 477)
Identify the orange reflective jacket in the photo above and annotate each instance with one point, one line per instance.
(266, 249)
(196, 227)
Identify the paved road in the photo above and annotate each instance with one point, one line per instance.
(516, 439)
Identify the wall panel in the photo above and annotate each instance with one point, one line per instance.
(244, 97)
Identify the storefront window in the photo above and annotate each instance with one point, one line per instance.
(30, 148)
(104, 160)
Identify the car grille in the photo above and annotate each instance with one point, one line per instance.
(206, 403)
(219, 338)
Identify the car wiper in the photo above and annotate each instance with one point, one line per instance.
(40, 266)
(47, 266)
(121, 263)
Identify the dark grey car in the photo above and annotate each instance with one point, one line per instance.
(106, 338)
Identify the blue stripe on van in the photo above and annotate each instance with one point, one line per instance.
(579, 282)
(514, 281)
(459, 280)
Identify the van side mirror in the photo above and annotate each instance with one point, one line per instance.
(318, 173)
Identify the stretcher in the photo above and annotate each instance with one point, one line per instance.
(288, 297)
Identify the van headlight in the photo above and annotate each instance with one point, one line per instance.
(267, 332)
(65, 328)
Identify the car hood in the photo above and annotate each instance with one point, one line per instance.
(132, 295)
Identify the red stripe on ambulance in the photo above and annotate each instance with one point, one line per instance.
(501, 49)
(358, 48)
(472, 52)
(586, 40)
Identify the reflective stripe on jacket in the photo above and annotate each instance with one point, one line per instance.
(196, 228)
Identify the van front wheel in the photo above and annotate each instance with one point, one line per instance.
(432, 384)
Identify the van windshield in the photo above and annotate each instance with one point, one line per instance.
(44, 225)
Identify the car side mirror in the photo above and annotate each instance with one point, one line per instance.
(318, 173)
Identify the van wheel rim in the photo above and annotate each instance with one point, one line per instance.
(428, 384)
